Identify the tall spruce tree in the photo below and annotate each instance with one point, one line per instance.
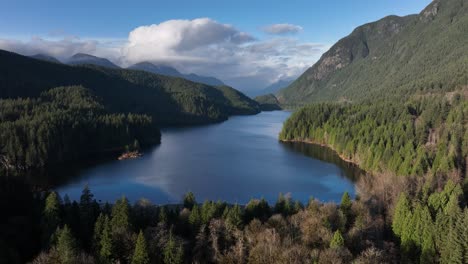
(66, 246)
(121, 215)
(337, 240)
(51, 217)
(172, 253)
(105, 244)
(140, 256)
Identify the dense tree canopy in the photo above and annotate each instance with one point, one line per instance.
(64, 124)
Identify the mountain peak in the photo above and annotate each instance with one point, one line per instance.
(45, 57)
(83, 58)
(393, 54)
(171, 71)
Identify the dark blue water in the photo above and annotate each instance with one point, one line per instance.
(233, 161)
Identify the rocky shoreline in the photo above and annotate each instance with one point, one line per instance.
(130, 155)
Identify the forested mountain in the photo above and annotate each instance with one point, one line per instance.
(111, 110)
(83, 59)
(392, 97)
(45, 58)
(392, 57)
(170, 71)
(268, 102)
(167, 100)
(66, 124)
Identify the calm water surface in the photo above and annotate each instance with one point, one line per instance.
(233, 161)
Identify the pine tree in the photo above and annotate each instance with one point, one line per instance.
(98, 228)
(51, 217)
(451, 250)
(120, 215)
(105, 244)
(402, 210)
(173, 254)
(337, 240)
(428, 251)
(195, 218)
(66, 246)
(87, 216)
(140, 256)
(189, 200)
(234, 216)
(464, 234)
(346, 203)
(345, 207)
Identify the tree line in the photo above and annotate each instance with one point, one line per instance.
(427, 134)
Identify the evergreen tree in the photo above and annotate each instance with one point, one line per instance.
(140, 256)
(195, 218)
(87, 217)
(173, 254)
(120, 215)
(105, 244)
(345, 207)
(98, 228)
(66, 246)
(189, 200)
(337, 240)
(51, 217)
(346, 203)
(234, 216)
(451, 248)
(428, 250)
(402, 210)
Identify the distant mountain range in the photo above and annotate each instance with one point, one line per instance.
(170, 71)
(86, 59)
(168, 100)
(82, 58)
(272, 88)
(45, 58)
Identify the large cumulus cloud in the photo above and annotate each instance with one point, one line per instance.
(203, 46)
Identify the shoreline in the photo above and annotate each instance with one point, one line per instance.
(311, 142)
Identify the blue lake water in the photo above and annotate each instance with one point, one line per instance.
(232, 161)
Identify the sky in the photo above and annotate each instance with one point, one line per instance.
(246, 44)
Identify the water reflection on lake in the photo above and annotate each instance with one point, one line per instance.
(233, 161)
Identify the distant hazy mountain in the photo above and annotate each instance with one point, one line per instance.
(272, 88)
(170, 71)
(81, 58)
(45, 58)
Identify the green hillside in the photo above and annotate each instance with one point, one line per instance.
(268, 102)
(66, 124)
(167, 100)
(392, 57)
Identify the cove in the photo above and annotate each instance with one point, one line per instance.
(232, 161)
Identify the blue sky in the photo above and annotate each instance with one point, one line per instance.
(103, 28)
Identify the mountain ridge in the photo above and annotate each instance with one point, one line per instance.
(169, 100)
(83, 58)
(171, 71)
(397, 54)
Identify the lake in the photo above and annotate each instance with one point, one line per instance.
(232, 161)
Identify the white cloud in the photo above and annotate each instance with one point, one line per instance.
(202, 46)
(282, 29)
(180, 39)
(57, 48)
